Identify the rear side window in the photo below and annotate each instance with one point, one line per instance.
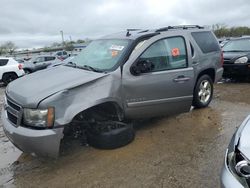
(206, 41)
(3, 62)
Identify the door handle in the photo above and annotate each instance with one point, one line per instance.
(195, 63)
(181, 79)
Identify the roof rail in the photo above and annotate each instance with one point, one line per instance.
(179, 27)
(129, 30)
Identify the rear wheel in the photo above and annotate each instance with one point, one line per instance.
(203, 92)
(9, 77)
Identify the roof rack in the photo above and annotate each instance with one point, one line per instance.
(179, 27)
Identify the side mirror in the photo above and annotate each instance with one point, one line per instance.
(142, 66)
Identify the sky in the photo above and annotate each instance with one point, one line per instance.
(37, 23)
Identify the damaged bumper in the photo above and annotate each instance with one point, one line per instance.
(35, 142)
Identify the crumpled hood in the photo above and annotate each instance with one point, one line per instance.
(242, 137)
(29, 90)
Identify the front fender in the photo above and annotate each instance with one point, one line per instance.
(69, 103)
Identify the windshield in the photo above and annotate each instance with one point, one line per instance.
(237, 45)
(101, 54)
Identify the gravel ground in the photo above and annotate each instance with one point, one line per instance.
(185, 150)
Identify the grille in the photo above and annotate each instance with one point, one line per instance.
(12, 118)
(227, 61)
(14, 111)
(13, 105)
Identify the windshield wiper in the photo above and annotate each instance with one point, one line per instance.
(88, 67)
(71, 64)
(85, 67)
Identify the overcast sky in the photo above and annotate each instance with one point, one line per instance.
(35, 23)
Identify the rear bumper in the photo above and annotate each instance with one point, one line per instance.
(35, 142)
(218, 75)
(236, 70)
(228, 180)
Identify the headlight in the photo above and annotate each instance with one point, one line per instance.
(38, 118)
(241, 60)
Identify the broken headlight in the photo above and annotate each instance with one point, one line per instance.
(38, 117)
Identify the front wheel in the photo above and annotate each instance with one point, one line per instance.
(203, 92)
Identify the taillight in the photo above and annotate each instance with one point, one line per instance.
(20, 66)
(221, 58)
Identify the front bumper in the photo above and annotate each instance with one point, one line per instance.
(236, 70)
(35, 142)
(228, 180)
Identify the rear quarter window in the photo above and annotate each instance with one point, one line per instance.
(206, 41)
(3, 62)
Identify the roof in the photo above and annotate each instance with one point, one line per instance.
(133, 34)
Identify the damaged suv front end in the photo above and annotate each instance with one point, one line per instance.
(236, 167)
(38, 106)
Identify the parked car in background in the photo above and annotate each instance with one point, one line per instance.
(38, 63)
(120, 77)
(236, 168)
(61, 55)
(10, 69)
(223, 41)
(236, 54)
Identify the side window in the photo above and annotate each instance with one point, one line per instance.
(49, 58)
(39, 60)
(3, 62)
(166, 54)
(206, 41)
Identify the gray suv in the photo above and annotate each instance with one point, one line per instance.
(120, 77)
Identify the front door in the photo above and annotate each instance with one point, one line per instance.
(168, 88)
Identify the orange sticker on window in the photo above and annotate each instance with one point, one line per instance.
(175, 52)
(114, 53)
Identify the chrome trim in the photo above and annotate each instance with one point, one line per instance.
(157, 101)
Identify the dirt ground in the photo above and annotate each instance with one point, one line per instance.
(185, 150)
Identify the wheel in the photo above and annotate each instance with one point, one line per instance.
(27, 71)
(110, 135)
(203, 92)
(9, 77)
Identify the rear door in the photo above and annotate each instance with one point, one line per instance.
(168, 88)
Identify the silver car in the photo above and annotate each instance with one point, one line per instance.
(124, 76)
(38, 63)
(236, 167)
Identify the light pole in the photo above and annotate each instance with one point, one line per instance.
(62, 37)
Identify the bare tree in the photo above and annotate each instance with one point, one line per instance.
(8, 47)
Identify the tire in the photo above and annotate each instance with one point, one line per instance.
(9, 77)
(203, 92)
(110, 135)
(27, 71)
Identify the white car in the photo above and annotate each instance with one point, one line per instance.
(10, 69)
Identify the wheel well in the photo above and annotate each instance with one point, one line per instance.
(210, 72)
(100, 112)
(9, 73)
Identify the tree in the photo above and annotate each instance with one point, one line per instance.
(7, 47)
(10, 47)
(69, 47)
(80, 41)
